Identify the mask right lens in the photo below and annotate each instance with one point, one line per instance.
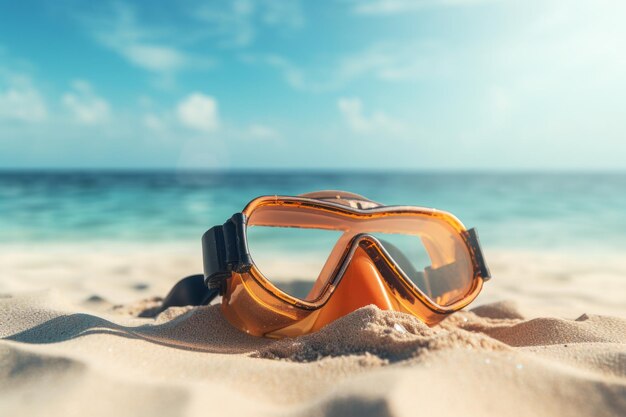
(444, 284)
(429, 250)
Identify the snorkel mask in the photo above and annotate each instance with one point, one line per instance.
(415, 260)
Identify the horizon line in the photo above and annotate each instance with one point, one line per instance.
(321, 170)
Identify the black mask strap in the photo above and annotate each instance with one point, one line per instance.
(189, 291)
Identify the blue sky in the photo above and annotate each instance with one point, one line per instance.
(383, 84)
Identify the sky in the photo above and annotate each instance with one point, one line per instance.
(337, 84)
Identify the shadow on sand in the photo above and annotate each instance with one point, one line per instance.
(201, 329)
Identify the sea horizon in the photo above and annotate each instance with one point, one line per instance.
(315, 170)
(521, 210)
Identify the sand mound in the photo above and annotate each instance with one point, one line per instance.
(389, 335)
(542, 331)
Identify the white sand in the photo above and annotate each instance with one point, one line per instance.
(546, 337)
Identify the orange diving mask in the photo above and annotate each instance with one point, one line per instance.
(287, 266)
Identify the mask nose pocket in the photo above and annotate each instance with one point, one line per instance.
(361, 285)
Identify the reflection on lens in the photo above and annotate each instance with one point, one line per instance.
(408, 252)
(292, 258)
(443, 284)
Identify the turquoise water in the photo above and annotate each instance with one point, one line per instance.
(534, 211)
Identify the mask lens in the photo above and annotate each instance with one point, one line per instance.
(298, 248)
(408, 252)
(291, 257)
(444, 284)
(428, 249)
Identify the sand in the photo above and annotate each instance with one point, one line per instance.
(546, 337)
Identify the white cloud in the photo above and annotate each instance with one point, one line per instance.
(198, 111)
(294, 76)
(85, 106)
(377, 122)
(154, 122)
(328, 78)
(258, 131)
(554, 46)
(388, 7)
(157, 58)
(160, 49)
(385, 61)
(143, 47)
(21, 101)
(235, 23)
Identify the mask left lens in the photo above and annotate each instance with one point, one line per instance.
(295, 247)
(291, 257)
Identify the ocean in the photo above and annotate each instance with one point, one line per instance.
(536, 211)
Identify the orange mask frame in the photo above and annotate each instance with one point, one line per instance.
(359, 271)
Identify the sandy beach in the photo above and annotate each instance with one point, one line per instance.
(327, 159)
(546, 337)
